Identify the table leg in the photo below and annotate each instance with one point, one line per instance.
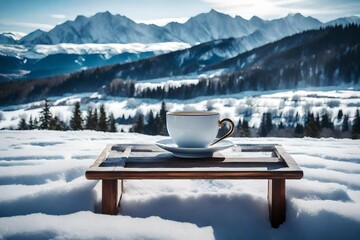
(277, 202)
(109, 196)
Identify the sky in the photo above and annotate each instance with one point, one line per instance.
(28, 15)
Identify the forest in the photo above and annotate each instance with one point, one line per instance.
(315, 126)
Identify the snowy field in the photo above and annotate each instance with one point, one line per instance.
(250, 105)
(44, 193)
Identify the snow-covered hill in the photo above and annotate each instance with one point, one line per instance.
(44, 193)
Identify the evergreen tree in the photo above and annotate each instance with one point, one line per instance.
(45, 116)
(297, 117)
(22, 124)
(56, 124)
(138, 127)
(245, 131)
(340, 115)
(326, 122)
(95, 120)
(102, 125)
(163, 111)
(89, 119)
(317, 121)
(36, 123)
(31, 123)
(311, 128)
(151, 124)
(269, 125)
(281, 125)
(299, 131)
(239, 125)
(76, 119)
(345, 124)
(112, 126)
(262, 129)
(356, 126)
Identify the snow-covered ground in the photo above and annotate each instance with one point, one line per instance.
(44, 193)
(250, 105)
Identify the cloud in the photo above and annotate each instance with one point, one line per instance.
(58, 16)
(41, 26)
(163, 21)
(270, 9)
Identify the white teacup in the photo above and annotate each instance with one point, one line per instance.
(195, 129)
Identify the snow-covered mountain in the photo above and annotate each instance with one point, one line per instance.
(278, 65)
(107, 28)
(102, 28)
(10, 37)
(344, 21)
(5, 39)
(19, 61)
(213, 25)
(28, 39)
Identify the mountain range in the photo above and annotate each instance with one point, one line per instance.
(24, 61)
(323, 57)
(107, 28)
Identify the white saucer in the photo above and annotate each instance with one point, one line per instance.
(170, 146)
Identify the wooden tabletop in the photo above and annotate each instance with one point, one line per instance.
(243, 161)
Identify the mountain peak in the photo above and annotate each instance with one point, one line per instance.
(213, 11)
(294, 15)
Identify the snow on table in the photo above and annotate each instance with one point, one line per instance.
(44, 193)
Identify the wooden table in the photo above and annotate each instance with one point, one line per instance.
(138, 161)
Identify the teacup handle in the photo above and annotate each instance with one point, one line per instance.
(231, 130)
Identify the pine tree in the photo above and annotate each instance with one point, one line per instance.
(36, 123)
(239, 125)
(45, 116)
(317, 121)
(163, 129)
(56, 124)
(22, 124)
(299, 131)
(245, 131)
(340, 115)
(89, 119)
(151, 126)
(311, 128)
(95, 120)
(138, 127)
(76, 119)
(102, 125)
(356, 126)
(269, 125)
(31, 123)
(262, 129)
(345, 124)
(326, 122)
(111, 123)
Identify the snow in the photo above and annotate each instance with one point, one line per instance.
(108, 50)
(140, 86)
(44, 193)
(250, 105)
(14, 35)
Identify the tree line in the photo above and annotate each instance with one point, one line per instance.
(315, 126)
(95, 119)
